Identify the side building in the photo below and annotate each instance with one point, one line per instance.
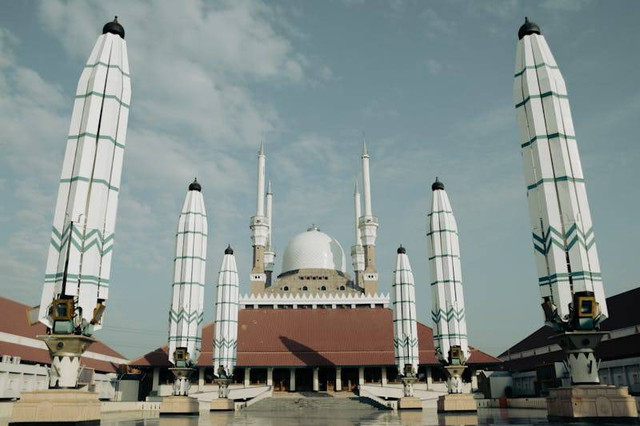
(25, 359)
(536, 363)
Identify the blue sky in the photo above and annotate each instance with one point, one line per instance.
(429, 82)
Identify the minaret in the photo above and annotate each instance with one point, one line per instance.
(269, 254)
(187, 300)
(447, 312)
(368, 225)
(405, 326)
(76, 284)
(569, 278)
(357, 251)
(259, 231)
(226, 333)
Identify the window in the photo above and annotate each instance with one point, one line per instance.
(305, 288)
(323, 288)
(285, 288)
(342, 288)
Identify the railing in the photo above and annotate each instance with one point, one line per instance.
(364, 393)
(266, 393)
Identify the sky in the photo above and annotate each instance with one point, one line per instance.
(429, 84)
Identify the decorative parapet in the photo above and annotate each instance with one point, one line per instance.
(313, 301)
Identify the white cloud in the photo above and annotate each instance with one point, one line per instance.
(566, 5)
(435, 24)
(434, 66)
(194, 113)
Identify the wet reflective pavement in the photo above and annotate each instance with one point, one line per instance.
(340, 418)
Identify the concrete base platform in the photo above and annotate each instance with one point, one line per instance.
(222, 404)
(587, 402)
(409, 403)
(457, 403)
(56, 407)
(179, 405)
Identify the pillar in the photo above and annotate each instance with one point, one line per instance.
(200, 378)
(270, 376)
(155, 387)
(383, 376)
(429, 378)
(292, 380)
(247, 377)
(338, 379)
(361, 376)
(474, 381)
(316, 381)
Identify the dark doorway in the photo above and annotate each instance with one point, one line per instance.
(349, 379)
(372, 375)
(327, 378)
(304, 379)
(281, 379)
(258, 376)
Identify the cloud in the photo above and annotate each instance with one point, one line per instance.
(566, 5)
(434, 67)
(435, 24)
(194, 112)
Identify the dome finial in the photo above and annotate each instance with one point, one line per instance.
(228, 250)
(528, 28)
(313, 227)
(195, 186)
(437, 185)
(114, 27)
(402, 250)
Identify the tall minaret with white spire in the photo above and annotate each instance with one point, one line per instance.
(259, 230)
(269, 254)
(368, 225)
(357, 251)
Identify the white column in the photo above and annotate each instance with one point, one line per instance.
(338, 379)
(156, 380)
(269, 211)
(429, 379)
(366, 181)
(316, 382)
(357, 208)
(270, 376)
(261, 176)
(292, 379)
(200, 378)
(383, 376)
(247, 377)
(474, 381)
(361, 375)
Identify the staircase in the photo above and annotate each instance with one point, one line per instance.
(325, 403)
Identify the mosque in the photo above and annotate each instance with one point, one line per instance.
(314, 326)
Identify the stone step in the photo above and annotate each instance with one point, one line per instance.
(311, 403)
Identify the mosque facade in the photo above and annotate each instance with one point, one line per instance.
(317, 325)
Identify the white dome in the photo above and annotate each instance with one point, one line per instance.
(313, 249)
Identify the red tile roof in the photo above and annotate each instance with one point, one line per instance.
(297, 337)
(14, 321)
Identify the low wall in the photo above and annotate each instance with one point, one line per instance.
(5, 409)
(111, 407)
(394, 392)
(532, 403)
